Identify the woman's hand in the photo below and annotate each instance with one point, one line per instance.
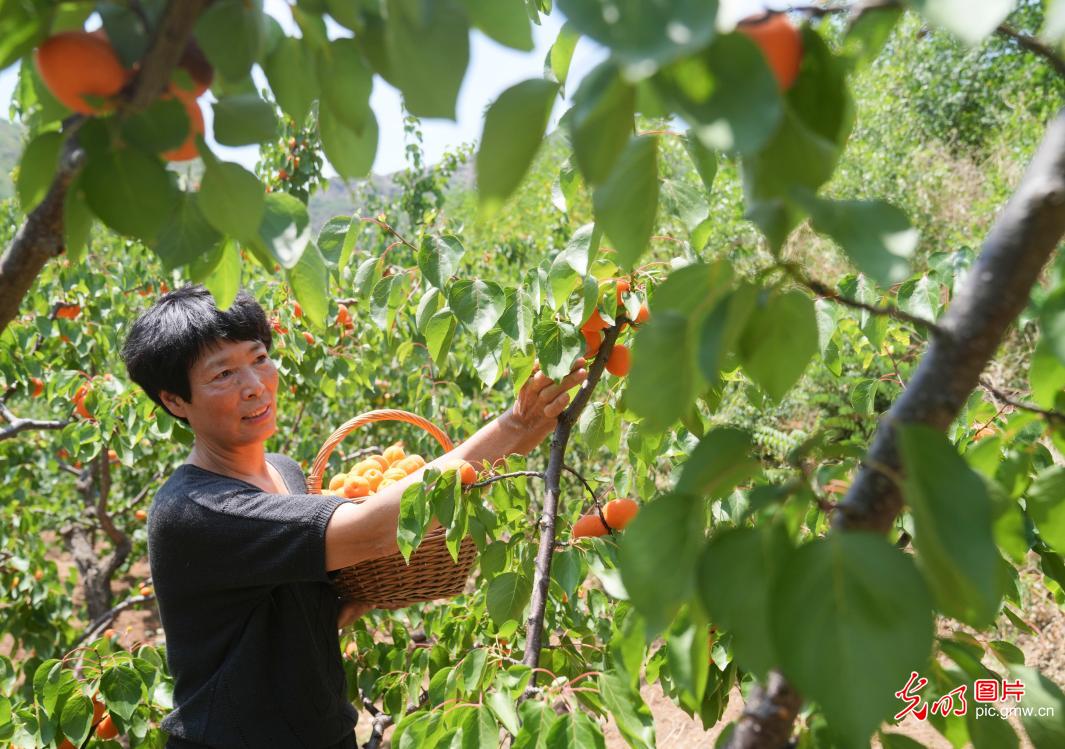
(539, 404)
(351, 611)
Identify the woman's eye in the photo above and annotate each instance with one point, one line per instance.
(262, 358)
(224, 373)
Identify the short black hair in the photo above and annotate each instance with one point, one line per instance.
(167, 340)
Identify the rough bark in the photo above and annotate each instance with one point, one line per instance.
(534, 633)
(992, 294)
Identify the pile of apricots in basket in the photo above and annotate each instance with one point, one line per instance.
(376, 472)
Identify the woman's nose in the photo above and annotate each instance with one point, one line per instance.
(254, 385)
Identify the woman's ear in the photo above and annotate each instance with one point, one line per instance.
(175, 404)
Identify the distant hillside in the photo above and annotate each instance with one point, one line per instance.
(339, 198)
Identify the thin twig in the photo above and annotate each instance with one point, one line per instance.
(511, 475)
(1034, 46)
(17, 425)
(822, 290)
(1054, 417)
(101, 622)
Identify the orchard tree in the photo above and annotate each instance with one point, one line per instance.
(738, 567)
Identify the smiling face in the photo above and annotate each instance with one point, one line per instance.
(233, 395)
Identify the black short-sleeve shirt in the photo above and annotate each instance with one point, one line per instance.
(248, 612)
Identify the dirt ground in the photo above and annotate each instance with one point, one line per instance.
(1045, 650)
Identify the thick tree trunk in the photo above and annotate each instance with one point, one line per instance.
(993, 293)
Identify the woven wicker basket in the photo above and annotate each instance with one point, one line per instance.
(389, 582)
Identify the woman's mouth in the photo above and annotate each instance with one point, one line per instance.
(259, 415)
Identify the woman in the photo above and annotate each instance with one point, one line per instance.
(239, 552)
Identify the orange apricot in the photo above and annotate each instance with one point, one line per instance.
(619, 361)
(187, 150)
(356, 486)
(81, 70)
(589, 525)
(779, 41)
(394, 453)
(337, 482)
(618, 512)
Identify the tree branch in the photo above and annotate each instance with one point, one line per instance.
(1054, 417)
(1034, 46)
(822, 290)
(17, 425)
(41, 235)
(541, 579)
(1025, 234)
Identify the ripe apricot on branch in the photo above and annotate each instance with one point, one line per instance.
(75, 65)
(38, 387)
(593, 340)
(618, 362)
(779, 41)
(308, 338)
(79, 401)
(643, 315)
(107, 729)
(594, 323)
(68, 311)
(343, 315)
(141, 515)
(618, 512)
(589, 525)
(467, 473)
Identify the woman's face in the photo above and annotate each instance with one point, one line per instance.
(234, 388)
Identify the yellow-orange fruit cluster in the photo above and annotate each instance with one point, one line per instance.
(374, 473)
(617, 513)
(618, 362)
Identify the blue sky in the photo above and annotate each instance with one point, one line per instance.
(493, 68)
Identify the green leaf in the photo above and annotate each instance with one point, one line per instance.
(558, 345)
(503, 20)
(76, 719)
(414, 518)
(779, 341)
(291, 72)
(703, 158)
(667, 533)
(513, 129)
(508, 594)
(128, 190)
(688, 655)
(876, 236)
(969, 20)
(1046, 375)
(346, 83)
(351, 153)
(630, 712)
(224, 281)
(243, 119)
(502, 706)
(122, 690)
(439, 258)
(600, 121)
(574, 731)
(536, 721)
(438, 334)
(643, 35)
(1052, 322)
(37, 167)
(231, 35)
(626, 204)
(1045, 722)
(721, 461)
(477, 304)
(556, 66)
(428, 48)
(869, 32)
(990, 732)
(720, 332)
(77, 221)
(231, 199)
(850, 609)
(479, 729)
(336, 241)
(309, 279)
(735, 577)
(727, 93)
(285, 229)
(163, 125)
(517, 319)
(186, 235)
(952, 525)
(1046, 506)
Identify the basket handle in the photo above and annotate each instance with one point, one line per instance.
(314, 479)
